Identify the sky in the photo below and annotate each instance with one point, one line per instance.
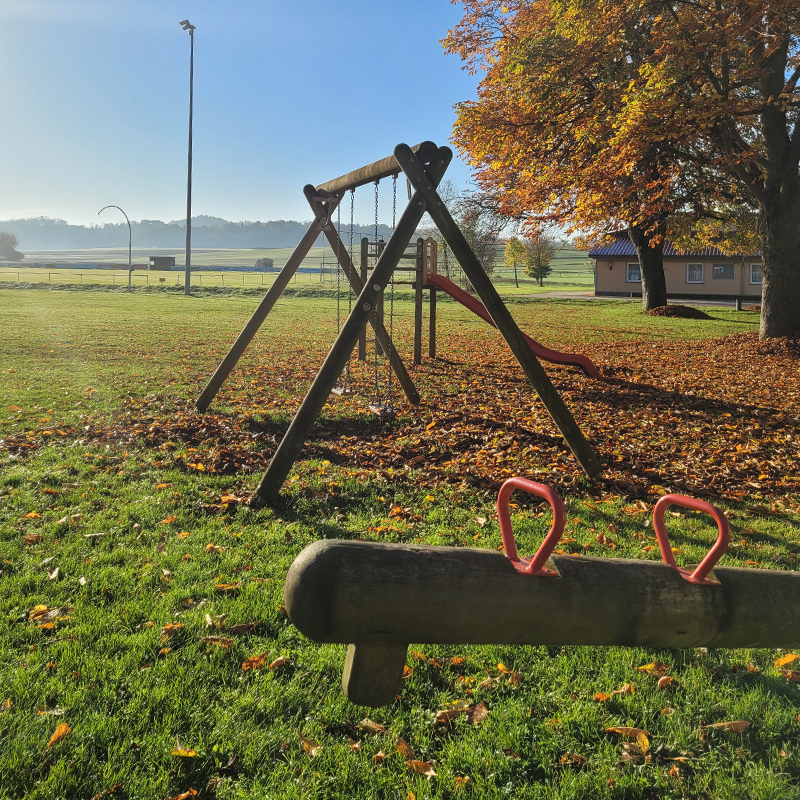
(95, 99)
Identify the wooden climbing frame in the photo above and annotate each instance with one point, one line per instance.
(424, 166)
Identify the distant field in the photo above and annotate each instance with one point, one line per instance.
(571, 268)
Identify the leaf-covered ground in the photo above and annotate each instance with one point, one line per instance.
(141, 596)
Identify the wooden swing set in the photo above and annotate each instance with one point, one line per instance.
(424, 166)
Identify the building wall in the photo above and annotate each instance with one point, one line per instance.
(687, 277)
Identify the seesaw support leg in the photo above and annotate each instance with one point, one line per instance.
(372, 673)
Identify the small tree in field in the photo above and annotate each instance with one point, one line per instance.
(514, 256)
(8, 245)
(538, 255)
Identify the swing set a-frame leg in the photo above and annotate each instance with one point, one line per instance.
(500, 314)
(381, 334)
(260, 314)
(300, 427)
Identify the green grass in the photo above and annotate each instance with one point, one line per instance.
(99, 365)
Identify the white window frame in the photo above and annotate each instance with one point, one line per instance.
(702, 271)
(723, 264)
(638, 268)
(760, 266)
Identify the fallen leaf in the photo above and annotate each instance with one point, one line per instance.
(279, 662)
(667, 712)
(243, 628)
(509, 753)
(227, 588)
(32, 515)
(309, 745)
(656, 668)
(643, 742)
(626, 688)
(422, 767)
(6, 706)
(184, 795)
(60, 732)
(164, 650)
(33, 538)
(368, 726)
(82, 580)
(737, 726)
(407, 672)
(665, 681)
(53, 573)
(169, 520)
(461, 782)
(600, 697)
(627, 733)
(183, 752)
(170, 630)
(788, 659)
(674, 771)
(255, 662)
(183, 535)
(354, 746)
(501, 667)
(791, 675)
(404, 749)
(218, 641)
(379, 757)
(573, 758)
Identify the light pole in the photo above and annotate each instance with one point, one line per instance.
(130, 237)
(187, 277)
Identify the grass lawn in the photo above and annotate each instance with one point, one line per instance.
(142, 598)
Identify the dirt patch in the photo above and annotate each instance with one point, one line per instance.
(684, 312)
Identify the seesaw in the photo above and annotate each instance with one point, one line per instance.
(377, 598)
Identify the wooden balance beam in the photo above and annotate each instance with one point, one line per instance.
(377, 598)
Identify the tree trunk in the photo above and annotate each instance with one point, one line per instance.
(780, 291)
(516, 280)
(651, 265)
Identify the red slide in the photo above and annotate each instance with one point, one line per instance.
(466, 300)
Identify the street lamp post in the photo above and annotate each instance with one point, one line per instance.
(130, 237)
(187, 277)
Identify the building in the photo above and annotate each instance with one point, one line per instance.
(162, 262)
(706, 273)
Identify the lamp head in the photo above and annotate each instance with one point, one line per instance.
(186, 25)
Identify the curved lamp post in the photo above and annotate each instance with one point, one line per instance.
(130, 237)
(187, 275)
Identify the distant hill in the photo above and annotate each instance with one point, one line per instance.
(43, 233)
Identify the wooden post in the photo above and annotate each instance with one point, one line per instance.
(381, 334)
(418, 281)
(432, 324)
(500, 314)
(362, 339)
(259, 315)
(300, 427)
(378, 314)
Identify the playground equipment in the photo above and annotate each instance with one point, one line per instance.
(377, 598)
(424, 166)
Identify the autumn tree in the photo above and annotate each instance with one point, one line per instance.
(8, 245)
(642, 113)
(538, 255)
(514, 256)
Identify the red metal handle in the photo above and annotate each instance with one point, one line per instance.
(534, 566)
(713, 555)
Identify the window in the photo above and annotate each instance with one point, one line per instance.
(755, 273)
(694, 273)
(634, 274)
(722, 272)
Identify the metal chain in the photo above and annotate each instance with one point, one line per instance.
(338, 279)
(375, 307)
(389, 391)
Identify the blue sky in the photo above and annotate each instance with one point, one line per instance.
(95, 102)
